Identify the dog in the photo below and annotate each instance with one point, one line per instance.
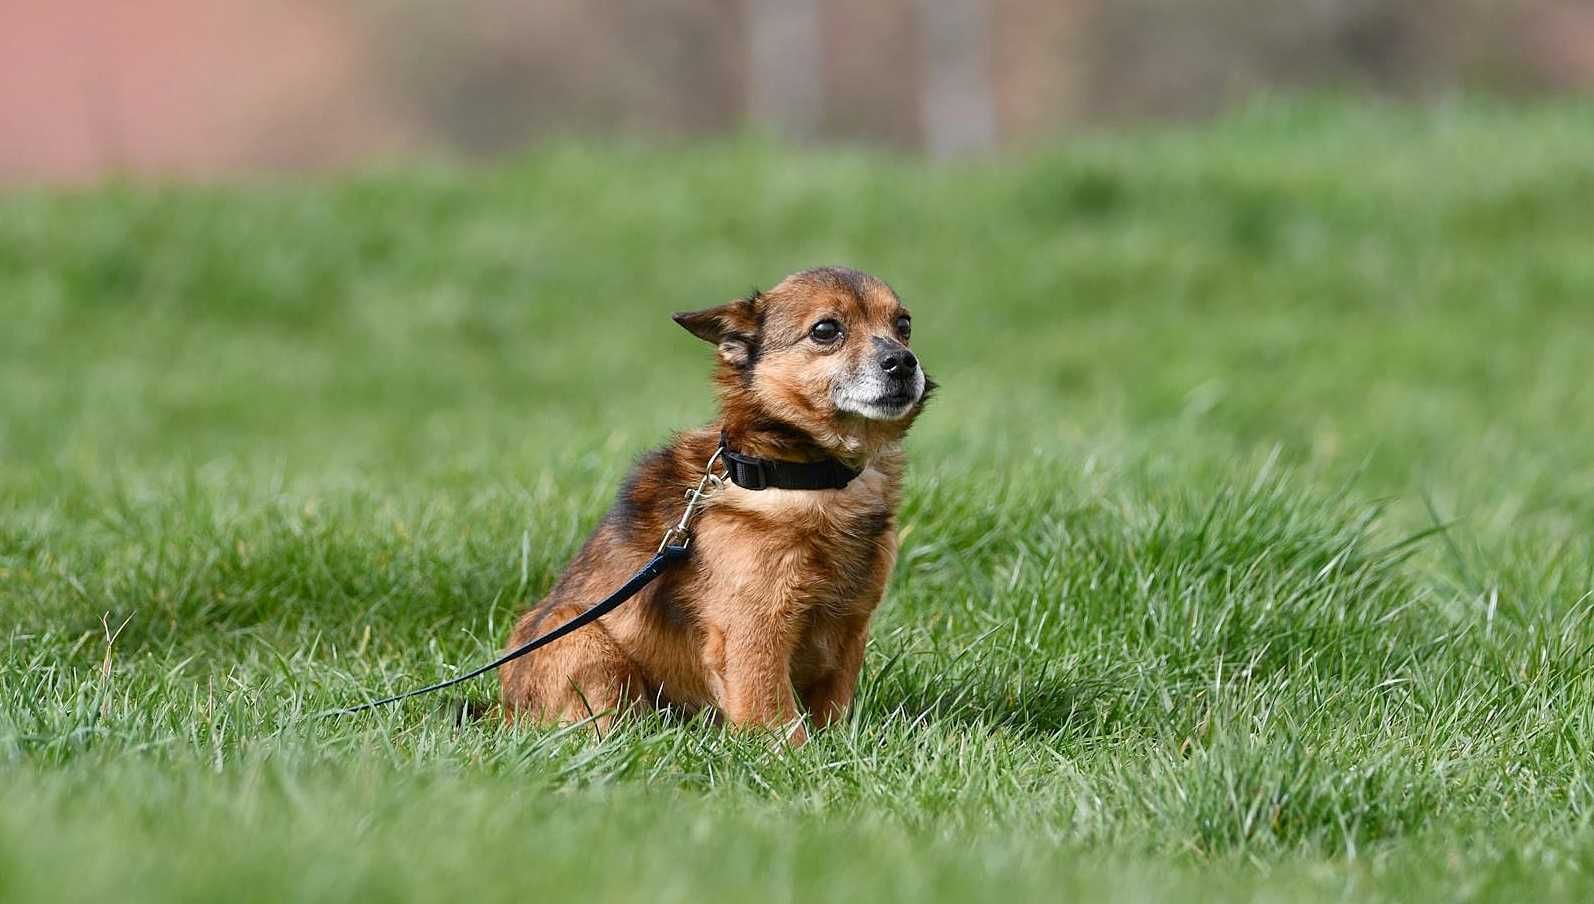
(768, 616)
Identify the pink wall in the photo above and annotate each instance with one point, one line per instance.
(190, 87)
(205, 88)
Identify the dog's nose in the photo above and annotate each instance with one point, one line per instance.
(899, 363)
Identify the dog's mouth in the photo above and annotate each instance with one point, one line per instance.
(898, 397)
(893, 404)
(880, 399)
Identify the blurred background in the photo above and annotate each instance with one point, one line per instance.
(328, 329)
(207, 88)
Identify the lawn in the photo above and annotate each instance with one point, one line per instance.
(1246, 548)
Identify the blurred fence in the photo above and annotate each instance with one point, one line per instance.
(197, 87)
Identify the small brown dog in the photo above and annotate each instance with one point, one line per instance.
(789, 556)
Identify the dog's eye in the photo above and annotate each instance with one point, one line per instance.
(904, 326)
(826, 332)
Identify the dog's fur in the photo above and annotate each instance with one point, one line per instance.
(772, 608)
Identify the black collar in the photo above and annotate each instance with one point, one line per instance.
(751, 473)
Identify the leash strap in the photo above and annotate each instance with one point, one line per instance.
(655, 567)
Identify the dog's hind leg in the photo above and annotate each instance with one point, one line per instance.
(582, 677)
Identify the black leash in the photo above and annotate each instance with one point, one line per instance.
(646, 576)
(672, 548)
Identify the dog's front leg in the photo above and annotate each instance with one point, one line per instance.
(755, 677)
(829, 696)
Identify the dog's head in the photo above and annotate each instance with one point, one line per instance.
(825, 352)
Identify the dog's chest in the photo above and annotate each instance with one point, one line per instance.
(818, 546)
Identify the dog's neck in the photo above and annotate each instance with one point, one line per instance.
(770, 438)
(765, 437)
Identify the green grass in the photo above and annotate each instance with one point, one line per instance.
(1171, 620)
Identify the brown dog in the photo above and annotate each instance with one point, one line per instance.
(817, 388)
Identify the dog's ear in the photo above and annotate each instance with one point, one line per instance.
(732, 327)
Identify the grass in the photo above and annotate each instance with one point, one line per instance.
(1246, 548)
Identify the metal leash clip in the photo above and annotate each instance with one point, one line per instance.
(680, 536)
